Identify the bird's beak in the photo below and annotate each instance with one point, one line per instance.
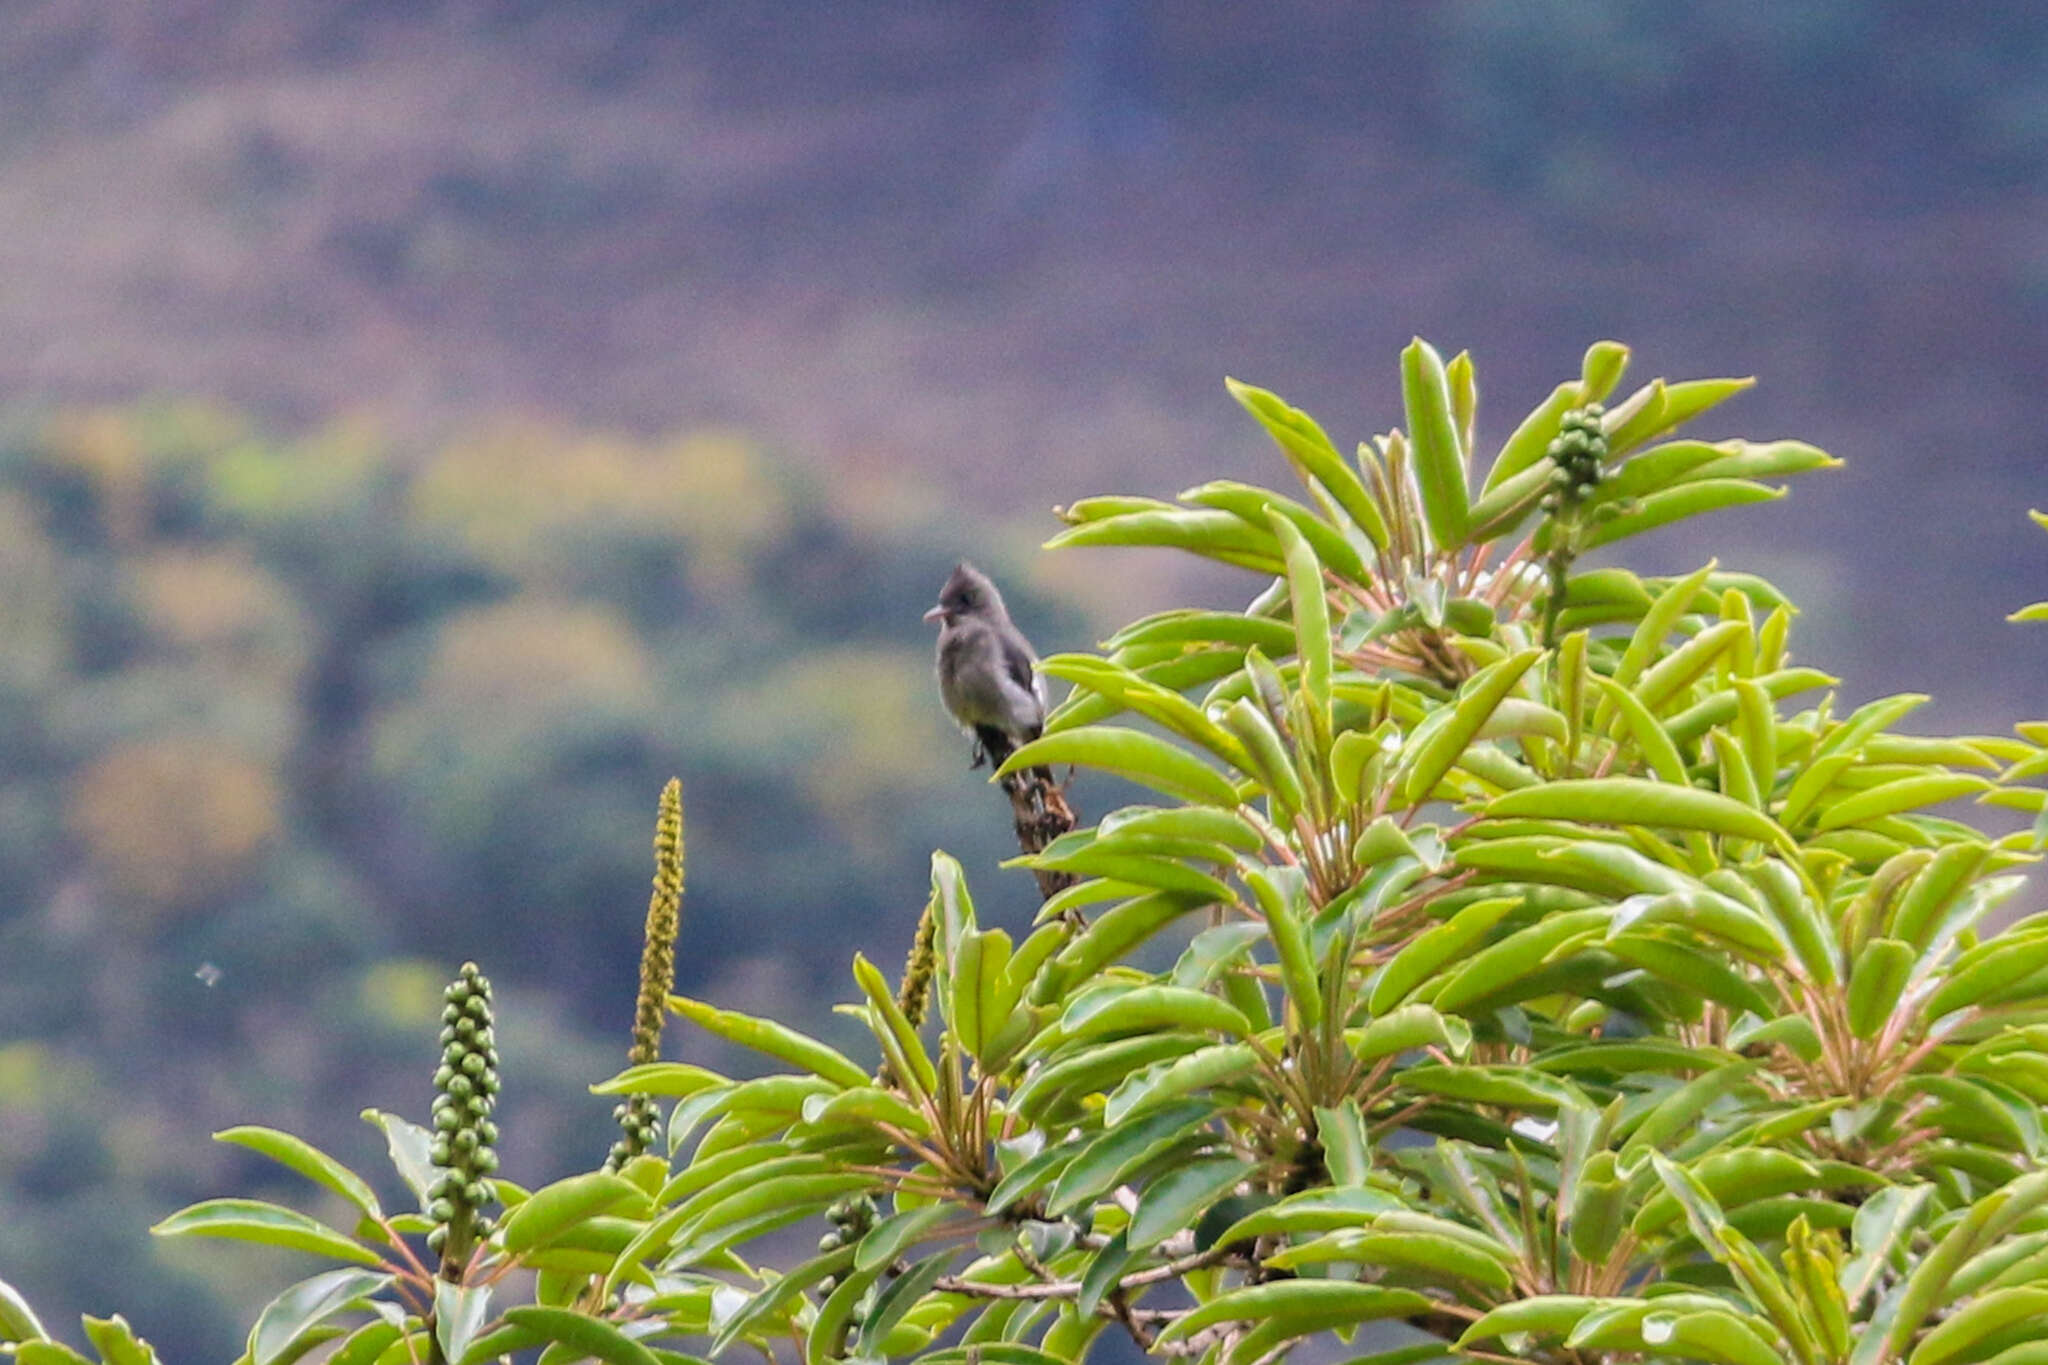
(935, 614)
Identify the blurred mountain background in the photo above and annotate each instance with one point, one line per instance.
(428, 426)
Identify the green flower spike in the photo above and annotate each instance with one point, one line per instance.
(639, 1119)
(465, 1140)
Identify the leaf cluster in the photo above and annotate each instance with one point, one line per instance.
(1535, 955)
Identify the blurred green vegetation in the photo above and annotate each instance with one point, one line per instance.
(289, 726)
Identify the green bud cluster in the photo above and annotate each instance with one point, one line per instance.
(465, 1140)
(1578, 453)
(851, 1219)
(639, 1121)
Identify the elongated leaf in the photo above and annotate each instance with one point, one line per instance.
(1430, 758)
(765, 1307)
(1311, 613)
(459, 1314)
(1296, 1304)
(252, 1220)
(1532, 437)
(409, 1145)
(1109, 1157)
(1433, 948)
(675, 1079)
(18, 1322)
(774, 1039)
(1635, 801)
(1154, 702)
(1433, 439)
(1519, 955)
(1312, 455)
(1177, 1198)
(1152, 1008)
(307, 1160)
(552, 1210)
(1675, 504)
(1876, 977)
(590, 1336)
(1998, 967)
(305, 1306)
(1956, 1336)
(1198, 530)
(1143, 758)
(1201, 1069)
(1890, 798)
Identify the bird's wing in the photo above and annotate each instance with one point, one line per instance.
(1022, 668)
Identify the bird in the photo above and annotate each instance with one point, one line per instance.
(988, 675)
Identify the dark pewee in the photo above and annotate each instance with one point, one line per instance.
(988, 676)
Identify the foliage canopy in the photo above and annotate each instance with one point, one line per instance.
(1528, 954)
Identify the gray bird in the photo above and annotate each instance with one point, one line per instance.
(988, 676)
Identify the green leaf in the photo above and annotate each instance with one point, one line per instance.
(1199, 530)
(1511, 1087)
(285, 1321)
(1766, 460)
(1602, 368)
(1521, 954)
(1177, 1198)
(1989, 972)
(459, 1314)
(890, 1238)
(1676, 504)
(43, 1351)
(767, 1036)
(1532, 437)
(1132, 692)
(1315, 460)
(1433, 948)
(1154, 1008)
(117, 1343)
(1446, 1258)
(1279, 897)
(1297, 1306)
(1406, 1029)
(1108, 1158)
(906, 1056)
(1433, 438)
(1202, 1069)
(1637, 801)
(1104, 1271)
(1876, 977)
(1549, 1314)
(1957, 1335)
(1311, 613)
(408, 1144)
(1261, 506)
(675, 1079)
(1143, 758)
(252, 1220)
(307, 1160)
(780, 1293)
(552, 1210)
(1317, 1210)
(1347, 1146)
(594, 1337)
(18, 1322)
(1433, 753)
(1902, 794)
